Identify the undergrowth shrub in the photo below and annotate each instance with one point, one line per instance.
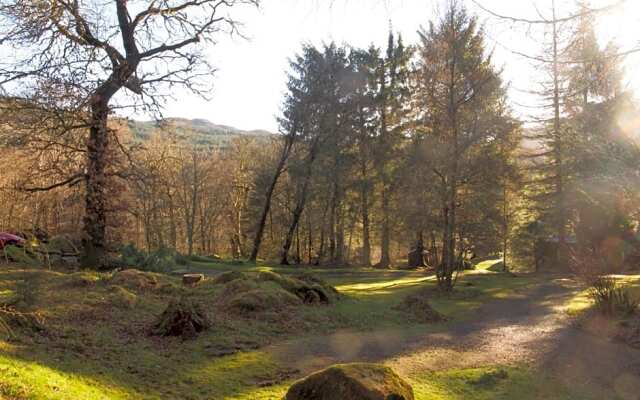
(162, 260)
(611, 299)
(21, 255)
(131, 256)
(180, 259)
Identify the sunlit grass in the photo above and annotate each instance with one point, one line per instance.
(582, 300)
(22, 379)
(491, 383)
(198, 377)
(489, 266)
(382, 287)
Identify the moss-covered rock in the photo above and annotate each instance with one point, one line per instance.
(352, 382)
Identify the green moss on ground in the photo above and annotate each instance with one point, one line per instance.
(99, 347)
(492, 383)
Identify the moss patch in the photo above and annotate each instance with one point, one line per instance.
(491, 383)
(229, 276)
(99, 350)
(135, 280)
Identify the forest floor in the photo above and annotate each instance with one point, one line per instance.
(506, 337)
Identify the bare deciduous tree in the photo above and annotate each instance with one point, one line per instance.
(86, 52)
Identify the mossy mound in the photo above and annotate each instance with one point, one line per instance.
(229, 276)
(309, 289)
(184, 318)
(122, 298)
(83, 279)
(416, 306)
(269, 291)
(352, 382)
(237, 286)
(135, 280)
(266, 297)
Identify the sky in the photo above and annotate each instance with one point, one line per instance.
(251, 79)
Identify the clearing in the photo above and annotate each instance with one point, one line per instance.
(504, 337)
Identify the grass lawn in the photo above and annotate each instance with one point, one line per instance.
(97, 346)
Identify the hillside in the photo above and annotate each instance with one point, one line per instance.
(200, 131)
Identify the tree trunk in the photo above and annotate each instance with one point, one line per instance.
(193, 208)
(449, 245)
(505, 226)
(452, 237)
(337, 224)
(442, 266)
(332, 229)
(340, 244)
(257, 240)
(300, 201)
(297, 213)
(309, 240)
(298, 258)
(95, 219)
(173, 224)
(292, 228)
(323, 226)
(366, 234)
(385, 252)
(558, 147)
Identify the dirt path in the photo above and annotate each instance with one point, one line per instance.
(531, 329)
